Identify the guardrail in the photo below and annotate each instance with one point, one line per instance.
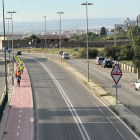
(125, 66)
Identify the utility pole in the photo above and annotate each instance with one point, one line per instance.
(115, 34)
(138, 30)
(133, 39)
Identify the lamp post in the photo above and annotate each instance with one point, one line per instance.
(45, 34)
(12, 42)
(5, 52)
(8, 36)
(87, 36)
(60, 32)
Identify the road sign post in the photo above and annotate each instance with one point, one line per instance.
(116, 75)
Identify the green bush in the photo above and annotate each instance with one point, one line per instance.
(92, 53)
(125, 52)
(82, 53)
(76, 49)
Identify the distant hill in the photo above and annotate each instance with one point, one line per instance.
(66, 24)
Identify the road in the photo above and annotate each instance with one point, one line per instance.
(126, 93)
(2, 73)
(66, 109)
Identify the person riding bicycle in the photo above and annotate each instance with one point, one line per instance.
(18, 77)
(18, 80)
(16, 72)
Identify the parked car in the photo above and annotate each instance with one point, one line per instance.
(107, 63)
(137, 85)
(65, 55)
(18, 52)
(99, 60)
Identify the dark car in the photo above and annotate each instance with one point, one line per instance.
(107, 63)
(18, 53)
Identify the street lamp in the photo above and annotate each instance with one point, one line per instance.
(12, 42)
(8, 36)
(87, 37)
(45, 34)
(60, 32)
(5, 52)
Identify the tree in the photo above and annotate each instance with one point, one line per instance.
(134, 31)
(102, 31)
(136, 61)
(32, 37)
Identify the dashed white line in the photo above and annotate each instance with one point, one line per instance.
(17, 134)
(19, 121)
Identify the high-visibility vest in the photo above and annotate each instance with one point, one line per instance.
(18, 74)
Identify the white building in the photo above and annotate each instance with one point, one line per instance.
(10, 37)
(128, 22)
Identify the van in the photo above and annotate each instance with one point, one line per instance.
(99, 60)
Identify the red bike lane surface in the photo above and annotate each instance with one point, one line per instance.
(19, 125)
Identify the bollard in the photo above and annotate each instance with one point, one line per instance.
(130, 68)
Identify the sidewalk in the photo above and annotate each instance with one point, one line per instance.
(19, 125)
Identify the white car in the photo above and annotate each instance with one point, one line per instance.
(99, 60)
(65, 55)
(137, 85)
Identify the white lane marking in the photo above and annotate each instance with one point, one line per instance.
(108, 108)
(112, 113)
(103, 104)
(19, 121)
(71, 108)
(17, 134)
(19, 115)
(68, 102)
(20, 110)
(18, 127)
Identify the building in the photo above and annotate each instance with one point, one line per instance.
(128, 22)
(10, 37)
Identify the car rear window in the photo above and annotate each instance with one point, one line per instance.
(101, 58)
(108, 62)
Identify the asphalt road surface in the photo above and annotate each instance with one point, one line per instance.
(126, 93)
(2, 73)
(66, 109)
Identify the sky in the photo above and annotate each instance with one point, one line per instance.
(35, 10)
(30, 13)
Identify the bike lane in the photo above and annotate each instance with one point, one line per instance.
(19, 125)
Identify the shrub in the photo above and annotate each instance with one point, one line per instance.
(92, 53)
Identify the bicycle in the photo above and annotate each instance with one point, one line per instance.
(18, 81)
(12, 80)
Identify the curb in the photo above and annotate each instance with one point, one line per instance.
(34, 105)
(132, 123)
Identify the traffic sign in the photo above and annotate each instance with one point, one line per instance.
(86, 52)
(114, 86)
(116, 73)
(61, 52)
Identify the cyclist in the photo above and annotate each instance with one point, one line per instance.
(16, 73)
(18, 78)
